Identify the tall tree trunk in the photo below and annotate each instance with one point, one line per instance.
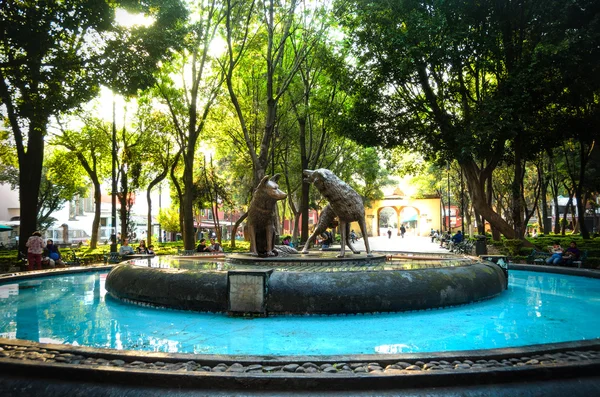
(567, 209)
(97, 213)
(235, 228)
(496, 236)
(517, 189)
(159, 178)
(556, 215)
(584, 156)
(30, 177)
(543, 195)
(123, 199)
(475, 180)
(177, 188)
(187, 210)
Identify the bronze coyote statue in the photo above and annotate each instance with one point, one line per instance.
(344, 203)
(262, 216)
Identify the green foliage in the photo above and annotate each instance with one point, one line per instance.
(481, 83)
(169, 220)
(62, 179)
(513, 246)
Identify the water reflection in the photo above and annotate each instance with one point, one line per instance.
(27, 314)
(220, 264)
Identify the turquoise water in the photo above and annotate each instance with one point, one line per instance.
(75, 309)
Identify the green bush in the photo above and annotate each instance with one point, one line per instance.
(513, 246)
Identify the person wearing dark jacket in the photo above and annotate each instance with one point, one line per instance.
(202, 246)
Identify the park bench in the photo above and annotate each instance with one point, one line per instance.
(582, 259)
(186, 252)
(464, 247)
(112, 257)
(537, 257)
(73, 259)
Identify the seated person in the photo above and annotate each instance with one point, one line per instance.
(571, 254)
(125, 248)
(287, 240)
(52, 255)
(456, 239)
(214, 246)
(556, 257)
(202, 246)
(151, 250)
(445, 238)
(48, 263)
(328, 239)
(142, 249)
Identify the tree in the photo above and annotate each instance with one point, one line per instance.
(158, 154)
(43, 71)
(190, 101)
(169, 220)
(461, 81)
(62, 179)
(90, 146)
(51, 61)
(211, 191)
(316, 98)
(266, 43)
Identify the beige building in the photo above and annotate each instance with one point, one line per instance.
(418, 216)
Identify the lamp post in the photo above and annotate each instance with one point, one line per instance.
(448, 169)
(159, 208)
(113, 236)
(462, 202)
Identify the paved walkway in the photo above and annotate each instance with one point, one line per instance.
(409, 243)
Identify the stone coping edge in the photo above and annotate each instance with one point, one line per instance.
(214, 359)
(233, 378)
(569, 271)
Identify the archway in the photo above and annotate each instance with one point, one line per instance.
(409, 217)
(421, 215)
(387, 219)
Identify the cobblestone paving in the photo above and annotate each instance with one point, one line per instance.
(40, 354)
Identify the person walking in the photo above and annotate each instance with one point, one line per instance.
(402, 230)
(389, 232)
(35, 247)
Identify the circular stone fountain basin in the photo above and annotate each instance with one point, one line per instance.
(309, 284)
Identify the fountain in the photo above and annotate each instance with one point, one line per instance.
(272, 281)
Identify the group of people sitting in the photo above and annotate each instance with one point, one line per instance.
(213, 247)
(446, 238)
(42, 253)
(566, 257)
(141, 249)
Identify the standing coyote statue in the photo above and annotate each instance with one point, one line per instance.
(344, 203)
(262, 216)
